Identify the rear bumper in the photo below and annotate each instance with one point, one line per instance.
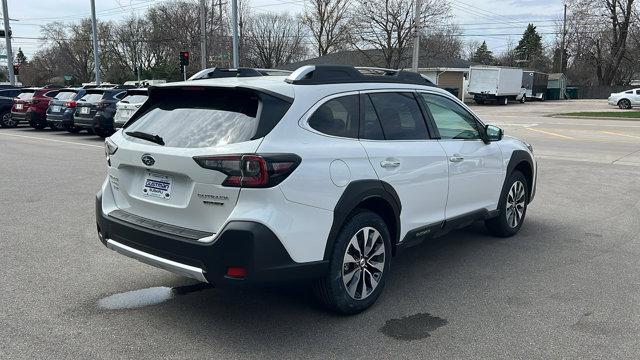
(64, 118)
(83, 122)
(245, 244)
(18, 116)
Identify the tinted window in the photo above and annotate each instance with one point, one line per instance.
(93, 97)
(637, 92)
(371, 128)
(399, 115)
(337, 117)
(452, 120)
(200, 118)
(9, 93)
(25, 95)
(135, 99)
(65, 95)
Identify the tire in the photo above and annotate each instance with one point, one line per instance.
(102, 133)
(509, 221)
(503, 101)
(523, 100)
(542, 98)
(479, 102)
(341, 289)
(72, 129)
(624, 104)
(7, 121)
(55, 126)
(38, 125)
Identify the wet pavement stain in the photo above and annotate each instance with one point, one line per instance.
(413, 327)
(146, 297)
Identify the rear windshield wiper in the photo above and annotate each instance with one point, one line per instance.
(144, 136)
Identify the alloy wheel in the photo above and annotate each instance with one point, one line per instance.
(7, 120)
(363, 263)
(515, 204)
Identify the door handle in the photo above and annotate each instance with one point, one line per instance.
(456, 158)
(389, 163)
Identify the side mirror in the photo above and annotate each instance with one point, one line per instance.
(494, 133)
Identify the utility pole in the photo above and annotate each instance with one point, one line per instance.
(564, 34)
(94, 36)
(416, 39)
(234, 14)
(223, 44)
(7, 36)
(203, 36)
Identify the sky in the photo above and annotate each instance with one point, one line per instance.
(498, 22)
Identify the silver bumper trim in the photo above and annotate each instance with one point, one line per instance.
(162, 263)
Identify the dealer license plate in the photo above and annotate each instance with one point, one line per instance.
(157, 185)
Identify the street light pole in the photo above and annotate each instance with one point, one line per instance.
(94, 36)
(203, 36)
(7, 36)
(416, 39)
(234, 15)
(564, 33)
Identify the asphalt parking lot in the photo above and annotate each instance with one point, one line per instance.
(567, 286)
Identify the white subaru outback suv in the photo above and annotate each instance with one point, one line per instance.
(324, 176)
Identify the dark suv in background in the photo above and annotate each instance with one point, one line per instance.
(6, 102)
(62, 107)
(95, 110)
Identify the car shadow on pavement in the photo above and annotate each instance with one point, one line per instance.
(273, 317)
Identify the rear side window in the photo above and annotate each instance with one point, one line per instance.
(65, 95)
(399, 115)
(337, 117)
(197, 118)
(92, 97)
(135, 99)
(25, 95)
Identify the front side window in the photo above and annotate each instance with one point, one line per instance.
(452, 120)
(399, 115)
(337, 117)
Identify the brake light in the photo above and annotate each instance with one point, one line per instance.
(71, 104)
(34, 101)
(251, 170)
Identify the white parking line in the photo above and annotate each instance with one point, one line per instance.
(52, 140)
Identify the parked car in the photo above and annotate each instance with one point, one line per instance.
(496, 84)
(126, 107)
(95, 110)
(216, 73)
(324, 176)
(31, 106)
(6, 102)
(62, 107)
(625, 99)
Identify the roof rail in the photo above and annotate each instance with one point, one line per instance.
(337, 74)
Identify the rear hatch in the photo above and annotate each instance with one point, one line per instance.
(59, 104)
(164, 182)
(87, 105)
(129, 105)
(23, 101)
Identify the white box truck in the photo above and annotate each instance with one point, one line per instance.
(496, 84)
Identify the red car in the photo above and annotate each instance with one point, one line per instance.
(31, 106)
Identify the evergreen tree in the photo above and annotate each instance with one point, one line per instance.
(20, 58)
(483, 55)
(529, 50)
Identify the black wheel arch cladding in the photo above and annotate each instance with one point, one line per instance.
(365, 192)
(521, 160)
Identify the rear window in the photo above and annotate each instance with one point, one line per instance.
(91, 97)
(9, 93)
(197, 117)
(25, 95)
(135, 99)
(65, 95)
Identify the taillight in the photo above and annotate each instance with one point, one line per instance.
(34, 101)
(251, 170)
(70, 104)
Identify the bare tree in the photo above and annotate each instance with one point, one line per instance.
(273, 40)
(388, 25)
(329, 24)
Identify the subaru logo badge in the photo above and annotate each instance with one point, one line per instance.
(148, 160)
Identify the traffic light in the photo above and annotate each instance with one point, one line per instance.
(2, 33)
(184, 58)
(16, 69)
